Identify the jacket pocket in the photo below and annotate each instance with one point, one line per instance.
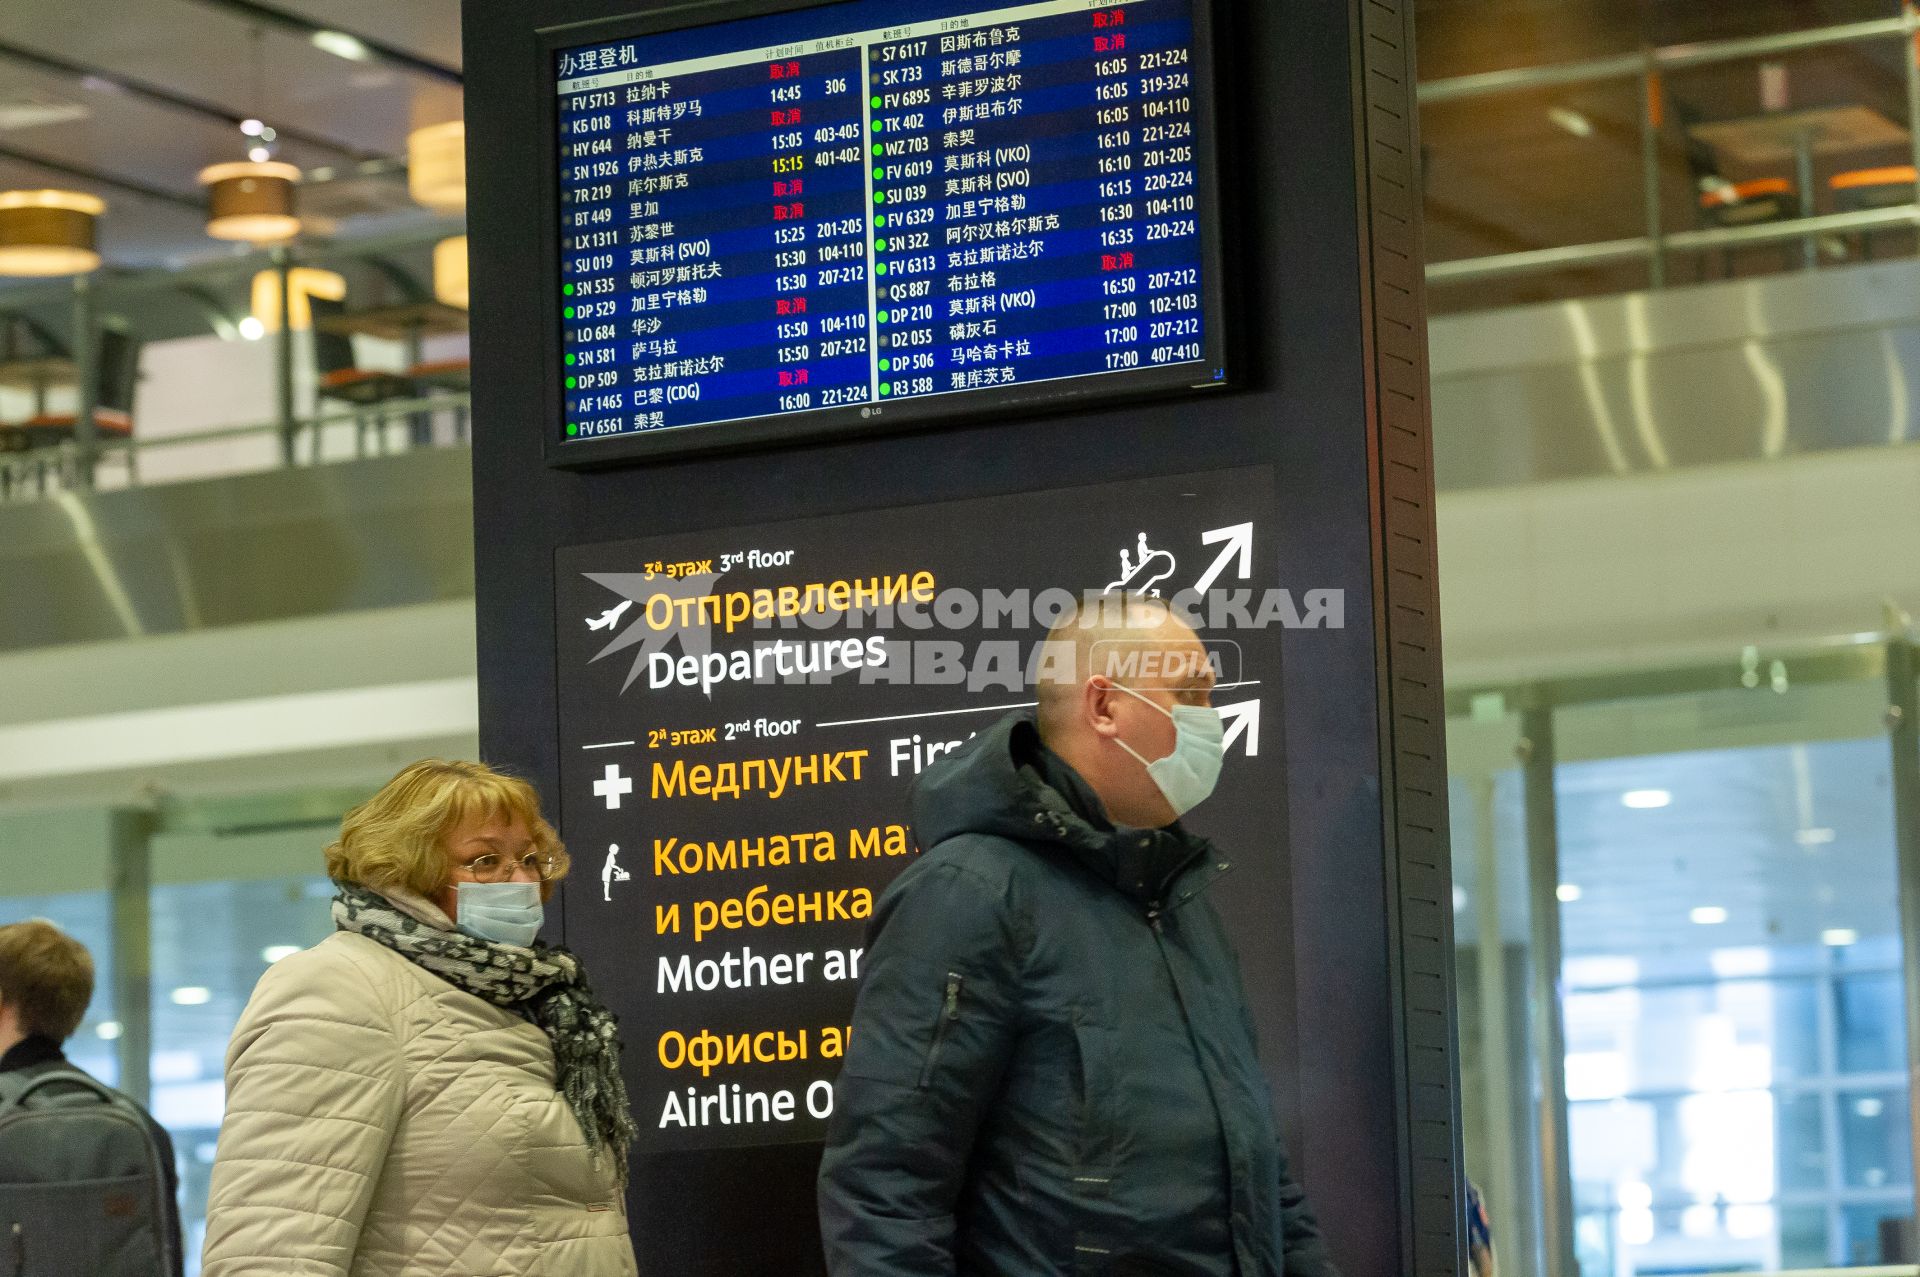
(1094, 1138)
(949, 1012)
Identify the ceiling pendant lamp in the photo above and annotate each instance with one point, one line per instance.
(251, 201)
(437, 166)
(450, 271)
(48, 232)
(304, 284)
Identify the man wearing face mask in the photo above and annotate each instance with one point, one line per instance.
(1052, 1070)
(431, 1091)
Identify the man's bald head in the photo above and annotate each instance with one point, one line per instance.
(1104, 636)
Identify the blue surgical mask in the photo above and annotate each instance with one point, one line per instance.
(503, 912)
(1186, 776)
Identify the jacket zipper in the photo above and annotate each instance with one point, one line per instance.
(19, 1251)
(949, 1012)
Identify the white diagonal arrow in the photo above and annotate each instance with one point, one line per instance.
(1244, 717)
(1239, 539)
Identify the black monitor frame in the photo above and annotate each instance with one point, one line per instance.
(870, 419)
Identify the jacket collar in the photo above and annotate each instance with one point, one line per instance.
(1007, 782)
(33, 1049)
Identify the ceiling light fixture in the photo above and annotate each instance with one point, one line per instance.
(1839, 937)
(1646, 799)
(252, 128)
(437, 166)
(1568, 892)
(450, 271)
(1570, 120)
(275, 952)
(252, 329)
(107, 1030)
(341, 45)
(1708, 915)
(192, 995)
(48, 232)
(305, 283)
(251, 201)
(1814, 837)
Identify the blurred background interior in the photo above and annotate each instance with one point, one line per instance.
(1676, 363)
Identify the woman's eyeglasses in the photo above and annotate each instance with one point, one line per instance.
(494, 867)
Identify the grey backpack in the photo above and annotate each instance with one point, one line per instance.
(82, 1190)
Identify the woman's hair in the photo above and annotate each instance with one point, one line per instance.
(397, 838)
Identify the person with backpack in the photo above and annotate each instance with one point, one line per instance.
(87, 1178)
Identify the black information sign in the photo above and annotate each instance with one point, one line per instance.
(881, 211)
(742, 712)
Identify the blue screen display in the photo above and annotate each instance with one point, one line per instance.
(879, 202)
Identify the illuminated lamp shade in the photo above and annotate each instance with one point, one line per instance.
(450, 271)
(251, 202)
(48, 232)
(306, 283)
(437, 166)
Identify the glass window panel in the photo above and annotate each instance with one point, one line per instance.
(1726, 958)
(1876, 1145)
(1733, 1034)
(1802, 1143)
(212, 941)
(1803, 1237)
(1862, 1224)
(1872, 1023)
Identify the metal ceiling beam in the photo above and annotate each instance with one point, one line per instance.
(98, 178)
(168, 97)
(307, 28)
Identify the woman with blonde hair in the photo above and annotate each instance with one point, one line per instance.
(429, 1090)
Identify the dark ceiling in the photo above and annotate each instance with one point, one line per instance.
(1506, 174)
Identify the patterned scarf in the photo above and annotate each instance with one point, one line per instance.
(545, 983)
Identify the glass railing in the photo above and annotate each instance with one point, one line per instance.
(435, 420)
(1678, 164)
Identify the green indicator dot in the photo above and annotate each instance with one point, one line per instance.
(876, 104)
(879, 173)
(572, 430)
(879, 219)
(879, 197)
(567, 289)
(883, 316)
(879, 246)
(572, 382)
(886, 389)
(880, 268)
(569, 312)
(879, 126)
(886, 365)
(878, 149)
(569, 361)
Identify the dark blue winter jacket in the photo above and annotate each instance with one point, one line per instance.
(1052, 1067)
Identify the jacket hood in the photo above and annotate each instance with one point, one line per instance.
(1006, 783)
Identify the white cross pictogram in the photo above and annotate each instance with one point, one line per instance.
(612, 786)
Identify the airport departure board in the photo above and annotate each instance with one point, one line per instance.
(873, 213)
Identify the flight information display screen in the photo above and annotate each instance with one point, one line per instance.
(864, 213)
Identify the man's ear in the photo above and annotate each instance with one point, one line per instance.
(1097, 703)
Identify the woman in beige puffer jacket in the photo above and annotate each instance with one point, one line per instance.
(383, 1120)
